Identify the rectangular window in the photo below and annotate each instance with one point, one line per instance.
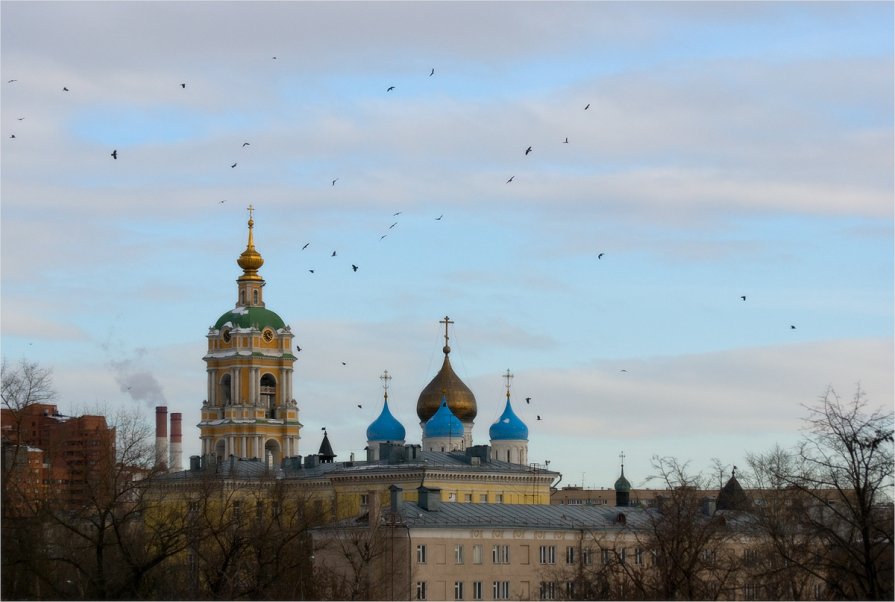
(638, 556)
(458, 553)
(570, 590)
(477, 554)
(452, 497)
(548, 590)
(365, 499)
(498, 498)
(476, 590)
(458, 590)
(622, 555)
(420, 590)
(467, 497)
(750, 592)
(501, 590)
(421, 553)
(500, 554)
(570, 554)
(606, 556)
(483, 498)
(547, 555)
(587, 556)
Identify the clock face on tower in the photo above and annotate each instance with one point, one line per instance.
(268, 335)
(226, 336)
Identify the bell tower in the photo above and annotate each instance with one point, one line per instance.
(250, 411)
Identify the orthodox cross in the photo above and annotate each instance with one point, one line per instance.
(447, 321)
(385, 378)
(622, 458)
(508, 376)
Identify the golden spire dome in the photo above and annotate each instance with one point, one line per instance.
(447, 384)
(250, 260)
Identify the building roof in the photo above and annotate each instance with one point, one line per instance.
(386, 427)
(508, 426)
(545, 516)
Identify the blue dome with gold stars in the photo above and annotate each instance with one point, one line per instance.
(508, 426)
(386, 427)
(443, 423)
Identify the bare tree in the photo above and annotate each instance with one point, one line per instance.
(837, 523)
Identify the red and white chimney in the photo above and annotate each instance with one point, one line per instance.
(161, 435)
(176, 442)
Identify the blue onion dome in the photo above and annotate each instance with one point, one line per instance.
(622, 483)
(443, 423)
(386, 427)
(508, 426)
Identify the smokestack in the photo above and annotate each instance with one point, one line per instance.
(176, 442)
(161, 435)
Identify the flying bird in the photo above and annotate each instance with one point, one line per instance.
(353, 267)
(527, 150)
(438, 219)
(64, 89)
(587, 107)
(21, 119)
(12, 80)
(511, 179)
(297, 348)
(232, 166)
(743, 297)
(600, 255)
(390, 88)
(334, 254)
(306, 246)
(222, 202)
(344, 364)
(393, 225)
(360, 406)
(12, 135)
(539, 416)
(528, 400)
(566, 141)
(622, 370)
(245, 144)
(183, 85)
(431, 73)
(335, 180)
(792, 327)
(396, 213)
(312, 271)
(383, 236)
(115, 154)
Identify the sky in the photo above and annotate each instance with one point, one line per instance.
(683, 155)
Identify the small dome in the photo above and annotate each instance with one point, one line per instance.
(386, 427)
(250, 260)
(443, 423)
(447, 386)
(622, 483)
(250, 317)
(732, 496)
(508, 426)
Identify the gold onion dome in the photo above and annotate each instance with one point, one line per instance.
(447, 384)
(250, 260)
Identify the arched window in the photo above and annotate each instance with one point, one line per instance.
(242, 297)
(269, 394)
(255, 296)
(225, 390)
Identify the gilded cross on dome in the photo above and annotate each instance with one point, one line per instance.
(385, 378)
(447, 321)
(508, 376)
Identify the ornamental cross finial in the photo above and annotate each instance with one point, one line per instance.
(385, 378)
(251, 209)
(447, 321)
(508, 376)
(622, 458)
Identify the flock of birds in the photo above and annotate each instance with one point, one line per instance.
(354, 267)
